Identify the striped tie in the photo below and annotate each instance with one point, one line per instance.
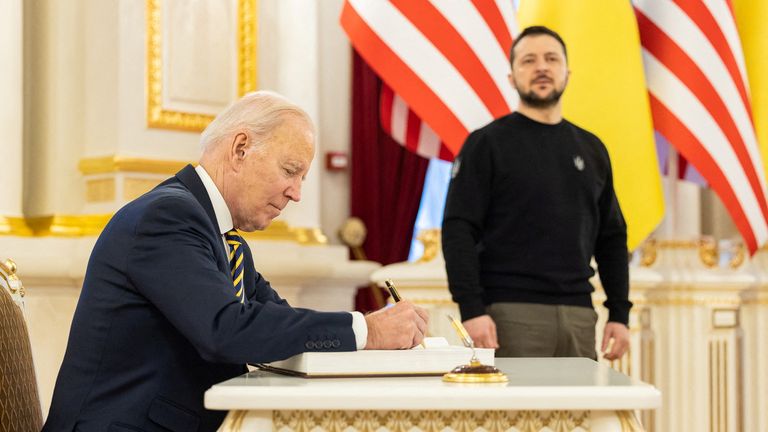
(235, 243)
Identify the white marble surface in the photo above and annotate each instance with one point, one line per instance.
(534, 384)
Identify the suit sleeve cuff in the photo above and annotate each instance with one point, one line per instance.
(360, 328)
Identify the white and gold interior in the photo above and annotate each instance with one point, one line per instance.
(102, 100)
(699, 329)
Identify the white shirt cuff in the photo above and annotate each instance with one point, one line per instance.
(360, 328)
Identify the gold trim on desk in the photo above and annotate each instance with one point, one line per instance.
(157, 116)
(430, 420)
(233, 422)
(115, 163)
(629, 421)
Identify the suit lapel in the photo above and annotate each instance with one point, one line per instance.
(189, 178)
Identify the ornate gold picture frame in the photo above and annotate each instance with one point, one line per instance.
(159, 117)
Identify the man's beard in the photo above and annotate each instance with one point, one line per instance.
(534, 101)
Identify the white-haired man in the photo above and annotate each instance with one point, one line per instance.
(172, 304)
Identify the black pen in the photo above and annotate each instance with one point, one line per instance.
(396, 297)
(392, 290)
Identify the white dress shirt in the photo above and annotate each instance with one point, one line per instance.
(224, 219)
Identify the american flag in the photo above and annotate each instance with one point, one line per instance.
(444, 65)
(699, 101)
(407, 129)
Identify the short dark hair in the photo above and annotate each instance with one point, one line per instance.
(536, 31)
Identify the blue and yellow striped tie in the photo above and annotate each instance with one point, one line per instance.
(235, 243)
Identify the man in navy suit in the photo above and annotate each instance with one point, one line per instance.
(167, 308)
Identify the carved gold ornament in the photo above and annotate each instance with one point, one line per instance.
(648, 252)
(8, 273)
(353, 232)
(708, 252)
(432, 421)
(430, 238)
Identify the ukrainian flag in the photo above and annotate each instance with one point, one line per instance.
(751, 18)
(606, 95)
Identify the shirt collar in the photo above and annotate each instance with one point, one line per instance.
(223, 216)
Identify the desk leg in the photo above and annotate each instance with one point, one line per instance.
(237, 421)
(624, 421)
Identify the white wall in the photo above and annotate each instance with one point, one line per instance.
(334, 115)
(11, 106)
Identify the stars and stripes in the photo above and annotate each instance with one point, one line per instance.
(446, 63)
(699, 101)
(407, 129)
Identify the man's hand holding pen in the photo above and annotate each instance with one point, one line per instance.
(400, 326)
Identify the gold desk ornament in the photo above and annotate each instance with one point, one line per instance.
(474, 372)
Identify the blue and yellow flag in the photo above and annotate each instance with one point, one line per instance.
(606, 95)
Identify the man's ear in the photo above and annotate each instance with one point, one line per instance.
(238, 149)
(512, 81)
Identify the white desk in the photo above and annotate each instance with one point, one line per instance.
(558, 394)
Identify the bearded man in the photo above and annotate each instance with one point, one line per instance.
(531, 202)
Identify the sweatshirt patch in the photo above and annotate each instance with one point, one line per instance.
(578, 162)
(455, 168)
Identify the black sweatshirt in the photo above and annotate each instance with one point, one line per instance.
(528, 207)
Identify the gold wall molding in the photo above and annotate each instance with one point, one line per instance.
(56, 225)
(432, 301)
(92, 225)
(115, 163)
(429, 421)
(14, 226)
(281, 231)
(136, 187)
(157, 116)
(100, 190)
(689, 301)
(755, 302)
(707, 248)
(247, 66)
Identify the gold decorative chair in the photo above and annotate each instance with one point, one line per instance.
(19, 399)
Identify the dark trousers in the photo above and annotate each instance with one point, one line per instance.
(539, 330)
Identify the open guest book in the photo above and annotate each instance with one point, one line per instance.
(436, 357)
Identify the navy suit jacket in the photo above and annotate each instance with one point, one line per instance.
(158, 323)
